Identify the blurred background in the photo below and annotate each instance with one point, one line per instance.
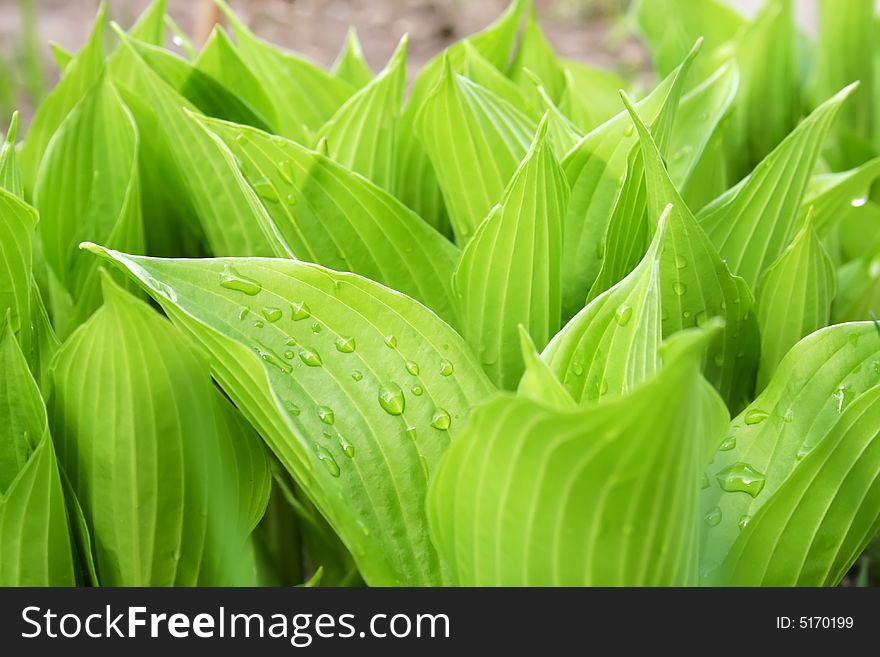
(593, 30)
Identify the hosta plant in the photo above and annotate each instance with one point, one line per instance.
(518, 322)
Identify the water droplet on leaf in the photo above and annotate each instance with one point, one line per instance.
(300, 311)
(232, 280)
(345, 345)
(741, 478)
(441, 420)
(391, 399)
(310, 357)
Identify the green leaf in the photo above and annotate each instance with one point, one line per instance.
(35, 545)
(475, 140)
(793, 298)
(561, 132)
(696, 284)
(88, 188)
(858, 288)
(596, 168)
(830, 195)
(18, 221)
(535, 55)
(363, 134)
(319, 206)
(351, 66)
(356, 388)
(801, 460)
(604, 495)
(476, 68)
(10, 172)
(304, 95)
(590, 96)
(81, 74)
(61, 57)
(538, 382)
(150, 25)
(509, 273)
(763, 208)
(170, 477)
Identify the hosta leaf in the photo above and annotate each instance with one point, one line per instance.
(328, 215)
(356, 388)
(695, 283)
(18, 221)
(10, 172)
(629, 227)
(596, 168)
(534, 54)
(561, 132)
(88, 188)
(858, 230)
(81, 74)
(611, 345)
(604, 495)
(60, 56)
(509, 273)
(478, 69)
(538, 382)
(417, 184)
(793, 298)
(858, 288)
(363, 134)
(150, 25)
(351, 65)
(590, 97)
(803, 442)
(203, 173)
(751, 223)
(35, 545)
(170, 478)
(475, 140)
(830, 195)
(303, 94)
(670, 28)
(220, 60)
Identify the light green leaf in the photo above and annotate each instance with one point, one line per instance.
(858, 288)
(61, 57)
(477, 68)
(475, 140)
(590, 96)
(858, 232)
(535, 54)
(303, 352)
(81, 74)
(509, 273)
(561, 132)
(351, 65)
(88, 188)
(303, 94)
(795, 461)
(326, 214)
(832, 194)
(604, 495)
(150, 25)
(18, 220)
(793, 298)
(10, 172)
(696, 284)
(363, 134)
(538, 382)
(35, 545)
(170, 477)
(751, 223)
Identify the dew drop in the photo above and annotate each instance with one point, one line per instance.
(713, 517)
(272, 314)
(391, 342)
(325, 414)
(446, 367)
(412, 367)
(603, 386)
(680, 261)
(701, 318)
(743, 521)
(704, 482)
(291, 342)
(244, 313)
(756, 416)
(411, 433)
(259, 324)
(441, 420)
(291, 200)
(391, 399)
(232, 280)
(272, 358)
(316, 328)
(300, 311)
(310, 357)
(327, 459)
(347, 447)
(859, 202)
(788, 417)
(242, 138)
(345, 345)
(623, 314)
(265, 190)
(292, 408)
(285, 169)
(577, 368)
(357, 375)
(417, 391)
(679, 288)
(741, 478)
(289, 355)
(727, 444)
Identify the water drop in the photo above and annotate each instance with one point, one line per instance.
(285, 168)
(577, 368)
(756, 416)
(272, 358)
(363, 527)
(441, 420)
(242, 138)
(265, 190)
(310, 357)
(741, 478)
(300, 311)
(623, 314)
(291, 200)
(704, 482)
(345, 345)
(347, 447)
(603, 386)
(244, 313)
(679, 288)
(701, 318)
(289, 355)
(259, 324)
(713, 517)
(272, 314)
(391, 342)
(325, 414)
(743, 521)
(680, 261)
(316, 328)
(446, 367)
(327, 459)
(788, 417)
(411, 433)
(727, 444)
(391, 399)
(232, 280)
(292, 408)
(412, 367)
(291, 342)
(417, 391)
(859, 202)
